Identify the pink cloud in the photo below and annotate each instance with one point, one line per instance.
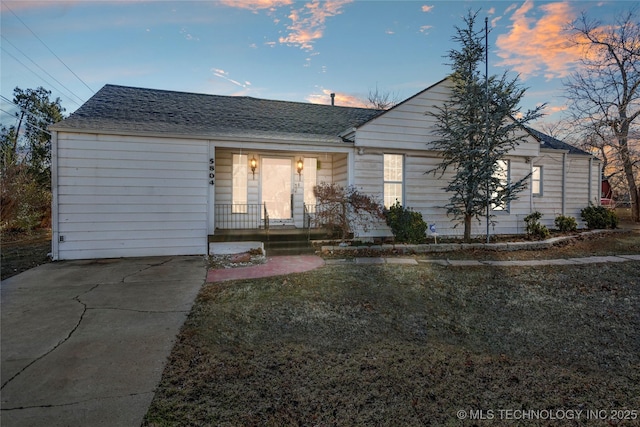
(427, 8)
(256, 5)
(341, 99)
(539, 47)
(308, 23)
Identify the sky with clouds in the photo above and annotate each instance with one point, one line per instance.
(280, 49)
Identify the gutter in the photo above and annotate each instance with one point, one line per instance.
(348, 135)
(564, 182)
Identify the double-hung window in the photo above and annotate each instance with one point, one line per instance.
(536, 181)
(393, 179)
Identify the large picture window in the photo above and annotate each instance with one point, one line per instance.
(502, 174)
(393, 178)
(239, 184)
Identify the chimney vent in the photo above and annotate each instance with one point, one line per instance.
(333, 99)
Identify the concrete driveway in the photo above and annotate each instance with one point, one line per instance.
(85, 342)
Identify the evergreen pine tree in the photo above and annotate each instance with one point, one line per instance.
(476, 129)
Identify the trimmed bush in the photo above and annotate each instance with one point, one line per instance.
(535, 230)
(407, 225)
(566, 223)
(599, 217)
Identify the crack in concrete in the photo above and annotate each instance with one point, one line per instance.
(62, 341)
(149, 266)
(59, 405)
(138, 311)
(84, 311)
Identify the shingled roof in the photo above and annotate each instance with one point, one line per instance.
(547, 141)
(130, 109)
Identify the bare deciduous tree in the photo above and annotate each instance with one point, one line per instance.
(381, 100)
(604, 94)
(345, 209)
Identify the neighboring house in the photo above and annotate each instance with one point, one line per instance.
(140, 172)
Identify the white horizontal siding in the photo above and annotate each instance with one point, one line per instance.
(550, 203)
(410, 126)
(340, 169)
(578, 180)
(424, 192)
(130, 196)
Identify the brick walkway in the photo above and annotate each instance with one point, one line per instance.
(275, 266)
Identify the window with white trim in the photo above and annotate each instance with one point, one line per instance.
(393, 179)
(536, 181)
(239, 184)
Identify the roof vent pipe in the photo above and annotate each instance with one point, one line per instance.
(333, 99)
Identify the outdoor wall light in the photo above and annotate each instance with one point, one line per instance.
(254, 164)
(299, 166)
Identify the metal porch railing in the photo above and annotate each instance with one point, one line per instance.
(311, 219)
(251, 216)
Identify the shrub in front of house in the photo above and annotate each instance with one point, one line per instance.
(598, 217)
(407, 225)
(566, 223)
(535, 230)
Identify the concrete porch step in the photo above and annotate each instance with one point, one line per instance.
(278, 241)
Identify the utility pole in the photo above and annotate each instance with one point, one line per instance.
(486, 115)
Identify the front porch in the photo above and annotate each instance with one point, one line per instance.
(268, 188)
(267, 196)
(251, 222)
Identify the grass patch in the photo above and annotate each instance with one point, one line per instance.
(390, 345)
(22, 251)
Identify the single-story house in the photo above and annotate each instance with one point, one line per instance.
(142, 172)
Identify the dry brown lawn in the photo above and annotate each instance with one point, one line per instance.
(22, 251)
(412, 345)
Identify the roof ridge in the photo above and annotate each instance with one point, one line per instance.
(232, 96)
(169, 111)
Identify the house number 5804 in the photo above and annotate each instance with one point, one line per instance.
(212, 172)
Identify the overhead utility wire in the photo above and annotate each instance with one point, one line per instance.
(23, 110)
(29, 124)
(37, 75)
(43, 70)
(48, 48)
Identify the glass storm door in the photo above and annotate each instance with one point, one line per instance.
(277, 175)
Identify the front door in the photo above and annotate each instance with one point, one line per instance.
(277, 174)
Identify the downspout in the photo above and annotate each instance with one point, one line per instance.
(600, 182)
(564, 183)
(590, 180)
(55, 228)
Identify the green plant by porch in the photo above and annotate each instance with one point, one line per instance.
(407, 225)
